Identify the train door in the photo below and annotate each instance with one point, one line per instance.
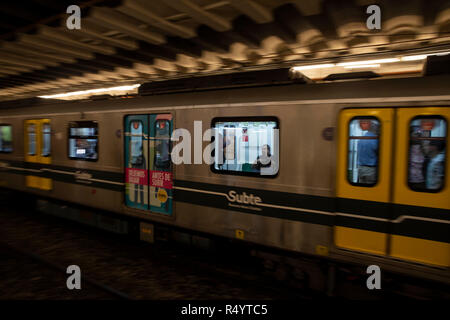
(160, 163)
(393, 186)
(38, 150)
(148, 167)
(136, 162)
(421, 195)
(363, 179)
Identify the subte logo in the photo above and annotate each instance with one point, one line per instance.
(233, 196)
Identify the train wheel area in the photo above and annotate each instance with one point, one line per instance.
(177, 265)
(141, 271)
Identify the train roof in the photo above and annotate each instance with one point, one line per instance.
(434, 66)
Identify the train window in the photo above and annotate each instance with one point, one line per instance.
(136, 143)
(427, 145)
(229, 139)
(363, 146)
(31, 139)
(83, 140)
(162, 144)
(5, 138)
(246, 146)
(46, 140)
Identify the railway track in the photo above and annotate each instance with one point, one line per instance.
(164, 270)
(107, 292)
(136, 270)
(249, 272)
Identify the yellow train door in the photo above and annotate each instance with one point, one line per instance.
(363, 179)
(37, 138)
(421, 195)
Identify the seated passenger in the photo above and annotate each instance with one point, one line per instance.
(265, 163)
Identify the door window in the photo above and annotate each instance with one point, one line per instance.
(162, 144)
(136, 142)
(427, 146)
(363, 151)
(46, 140)
(31, 139)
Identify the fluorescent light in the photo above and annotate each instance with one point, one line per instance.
(423, 56)
(414, 58)
(92, 91)
(314, 66)
(363, 66)
(355, 63)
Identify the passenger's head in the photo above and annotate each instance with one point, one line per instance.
(265, 149)
(433, 147)
(369, 125)
(364, 124)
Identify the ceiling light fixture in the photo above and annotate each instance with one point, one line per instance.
(414, 58)
(314, 66)
(363, 66)
(92, 91)
(423, 56)
(378, 61)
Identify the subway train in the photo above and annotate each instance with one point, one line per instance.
(354, 171)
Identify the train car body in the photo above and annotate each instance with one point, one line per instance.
(111, 155)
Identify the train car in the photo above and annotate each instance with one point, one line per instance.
(359, 170)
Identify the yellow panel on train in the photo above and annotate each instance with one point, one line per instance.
(37, 138)
(426, 197)
(357, 238)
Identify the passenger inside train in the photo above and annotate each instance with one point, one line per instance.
(248, 147)
(427, 154)
(363, 151)
(264, 163)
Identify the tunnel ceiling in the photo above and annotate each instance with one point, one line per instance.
(135, 41)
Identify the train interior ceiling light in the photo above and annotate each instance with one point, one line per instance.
(413, 64)
(404, 64)
(120, 90)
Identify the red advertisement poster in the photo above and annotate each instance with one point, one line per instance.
(427, 124)
(244, 135)
(136, 176)
(161, 179)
